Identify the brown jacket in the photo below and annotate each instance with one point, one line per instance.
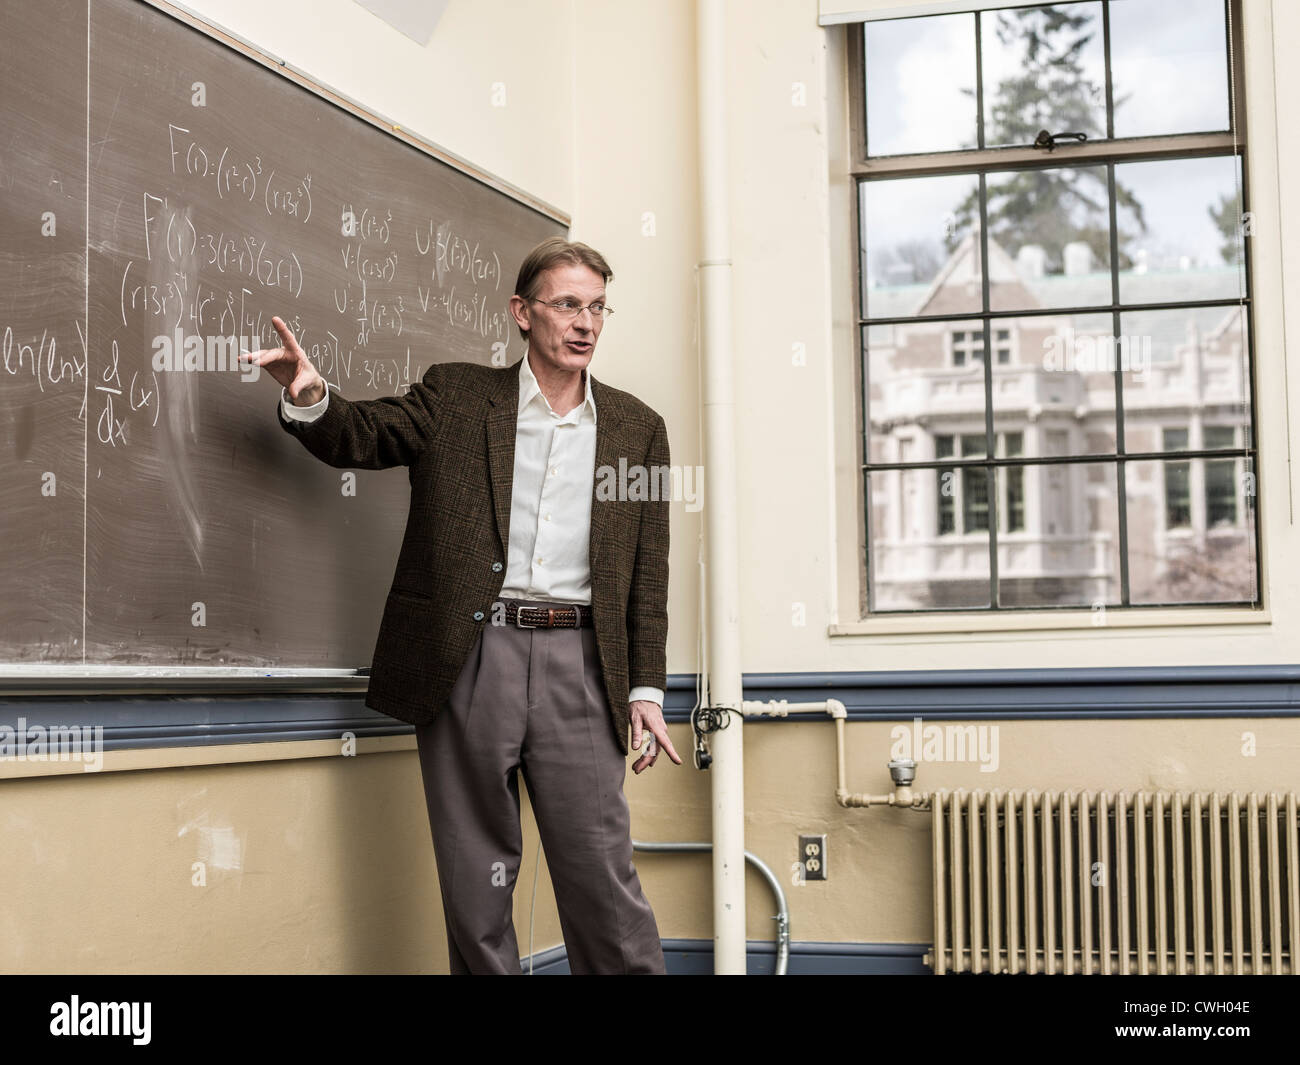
(456, 431)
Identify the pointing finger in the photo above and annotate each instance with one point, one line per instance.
(286, 335)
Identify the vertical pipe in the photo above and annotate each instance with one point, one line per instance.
(1011, 822)
(1198, 881)
(1086, 894)
(1274, 891)
(1031, 885)
(1179, 887)
(720, 519)
(958, 886)
(1218, 890)
(1293, 881)
(1067, 881)
(995, 883)
(938, 810)
(1254, 857)
(1049, 886)
(1140, 870)
(1160, 889)
(976, 884)
(1107, 871)
(1122, 881)
(1234, 858)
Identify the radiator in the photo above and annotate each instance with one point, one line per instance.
(1088, 882)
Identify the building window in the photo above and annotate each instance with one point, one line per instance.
(1178, 482)
(1108, 278)
(968, 494)
(1221, 479)
(968, 347)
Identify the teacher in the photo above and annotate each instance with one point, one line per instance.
(526, 627)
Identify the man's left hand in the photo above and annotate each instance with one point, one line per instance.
(648, 718)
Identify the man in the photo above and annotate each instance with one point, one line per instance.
(527, 622)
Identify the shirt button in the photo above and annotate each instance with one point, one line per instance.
(553, 469)
(496, 567)
(478, 615)
(539, 560)
(547, 518)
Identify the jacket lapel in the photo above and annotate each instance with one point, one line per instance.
(608, 438)
(502, 424)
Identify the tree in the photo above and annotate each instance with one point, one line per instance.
(1054, 206)
(1227, 218)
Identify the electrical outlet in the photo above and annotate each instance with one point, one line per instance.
(812, 855)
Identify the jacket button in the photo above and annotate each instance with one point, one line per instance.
(478, 615)
(496, 567)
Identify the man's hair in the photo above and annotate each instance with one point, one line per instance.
(553, 252)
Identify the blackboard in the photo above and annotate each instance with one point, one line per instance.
(161, 181)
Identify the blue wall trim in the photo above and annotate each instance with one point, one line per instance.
(1117, 692)
(186, 720)
(694, 957)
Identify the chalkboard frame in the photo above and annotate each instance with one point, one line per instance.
(37, 679)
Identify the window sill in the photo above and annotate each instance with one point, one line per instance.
(1046, 621)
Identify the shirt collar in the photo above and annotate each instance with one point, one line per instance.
(529, 390)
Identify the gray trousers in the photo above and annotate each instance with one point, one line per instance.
(533, 700)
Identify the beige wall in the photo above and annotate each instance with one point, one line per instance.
(318, 863)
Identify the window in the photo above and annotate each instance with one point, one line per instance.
(1220, 480)
(1027, 188)
(968, 494)
(968, 347)
(1178, 482)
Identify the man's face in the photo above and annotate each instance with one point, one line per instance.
(558, 340)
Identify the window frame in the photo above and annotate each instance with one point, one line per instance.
(981, 162)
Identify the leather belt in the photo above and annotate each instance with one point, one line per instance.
(549, 617)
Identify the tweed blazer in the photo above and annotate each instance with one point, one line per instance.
(455, 430)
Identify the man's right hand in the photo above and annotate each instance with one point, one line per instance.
(290, 367)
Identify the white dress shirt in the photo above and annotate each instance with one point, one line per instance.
(550, 503)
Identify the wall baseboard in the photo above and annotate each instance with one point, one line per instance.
(694, 957)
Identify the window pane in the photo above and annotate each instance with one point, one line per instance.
(915, 393)
(975, 500)
(914, 260)
(1011, 512)
(1182, 361)
(1221, 490)
(913, 565)
(1065, 552)
(947, 500)
(1169, 66)
(1180, 232)
(1049, 237)
(1217, 436)
(1044, 68)
(1059, 385)
(1178, 495)
(920, 84)
(1200, 560)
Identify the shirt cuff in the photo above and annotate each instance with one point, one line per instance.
(654, 695)
(303, 414)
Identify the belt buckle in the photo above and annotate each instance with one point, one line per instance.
(519, 617)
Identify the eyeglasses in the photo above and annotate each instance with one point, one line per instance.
(567, 308)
